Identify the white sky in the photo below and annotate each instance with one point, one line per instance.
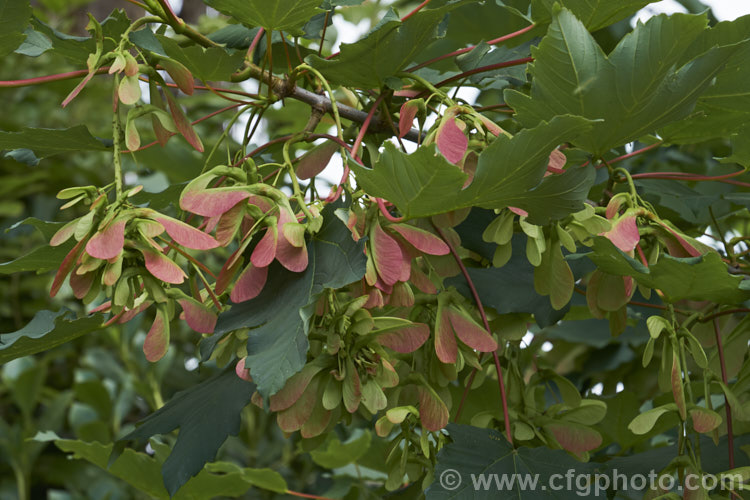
(724, 10)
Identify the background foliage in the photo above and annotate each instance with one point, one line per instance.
(593, 196)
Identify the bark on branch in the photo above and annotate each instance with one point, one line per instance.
(286, 88)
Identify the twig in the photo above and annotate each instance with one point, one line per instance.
(282, 89)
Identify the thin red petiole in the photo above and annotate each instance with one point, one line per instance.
(641, 254)
(636, 153)
(187, 256)
(478, 301)
(416, 9)
(306, 495)
(254, 43)
(49, 78)
(385, 212)
(686, 176)
(357, 142)
(482, 69)
(469, 49)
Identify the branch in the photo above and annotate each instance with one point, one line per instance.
(286, 88)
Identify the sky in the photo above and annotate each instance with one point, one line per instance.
(724, 10)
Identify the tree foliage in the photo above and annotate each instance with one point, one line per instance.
(534, 257)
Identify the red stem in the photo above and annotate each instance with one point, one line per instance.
(724, 313)
(468, 49)
(640, 254)
(686, 176)
(727, 408)
(357, 142)
(139, 4)
(365, 125)
(49, 78)
(482, 69)
(306, 495)
(478, 301)
(187, 256)
(323, 35)
(254, 43)
(736, 183)
(636, 153)
(385, 212)
(417, 9)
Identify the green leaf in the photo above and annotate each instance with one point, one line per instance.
(486, 451)
(622, 408)
(145, 39)
(713, 459)
(47, 142)
(481, 55)
(415, 183)
(142, 472)
(335, 454)
(35, 44)
(696, 278)
(234, 36)
(14, 17)
(386, 50)
(266, 479)
(594, 14)
(510, 172)
(725, 106)
(740, 147)
(46, 228)
(138, 469)
(284, 15)
(207, 64)
(637, 89)
(521, 298)
(279, 317)
(45, 331)
(206, 414)
(78, 48)
(42, 259)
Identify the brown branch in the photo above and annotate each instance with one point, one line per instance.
(286, 88)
